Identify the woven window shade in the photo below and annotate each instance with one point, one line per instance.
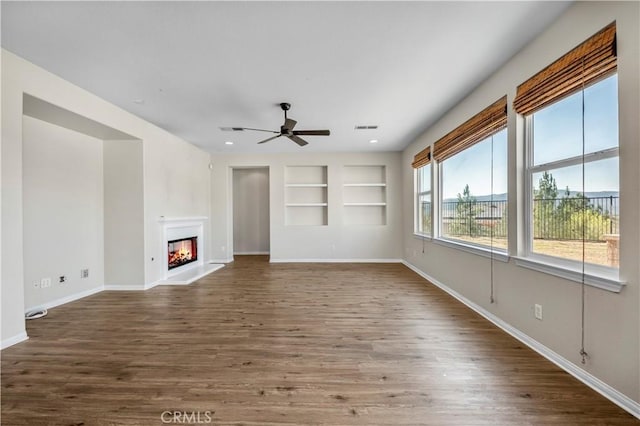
(489, 121)
(422, 158)
(591, 60)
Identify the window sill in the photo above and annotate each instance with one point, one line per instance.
(594, 276)
(473, 249)
(422, 236)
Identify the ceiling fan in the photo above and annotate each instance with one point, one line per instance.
(287, 129)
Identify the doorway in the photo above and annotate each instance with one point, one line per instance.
(251, 220)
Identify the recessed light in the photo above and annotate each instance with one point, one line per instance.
(228, 143)
(373, 141)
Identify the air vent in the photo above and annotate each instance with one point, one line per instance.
(231, 129)
(369, 127)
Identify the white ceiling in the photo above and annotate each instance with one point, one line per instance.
(202, 65)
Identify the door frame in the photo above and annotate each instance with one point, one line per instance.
(230, 233)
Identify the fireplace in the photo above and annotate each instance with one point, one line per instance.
(183, 245)
(182, 251)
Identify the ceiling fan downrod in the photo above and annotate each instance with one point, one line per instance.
(285, 107)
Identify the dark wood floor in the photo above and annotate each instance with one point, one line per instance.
(260, 343)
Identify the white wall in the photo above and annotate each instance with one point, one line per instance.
(12, 281)
(124, 213)
(336, 240)
(175, 174)
(3, 293)
(176, 184)
(251, 211)
(63, 211)
(612, 320)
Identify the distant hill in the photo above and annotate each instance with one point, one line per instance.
(496, 197)
(600, 194)
(561, 194)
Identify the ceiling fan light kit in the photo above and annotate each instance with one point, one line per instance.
(287, 129)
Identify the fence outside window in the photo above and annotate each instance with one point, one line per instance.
(565, 220)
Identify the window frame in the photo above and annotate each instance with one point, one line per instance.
(601, 276)
(480, 249)
(418, 192)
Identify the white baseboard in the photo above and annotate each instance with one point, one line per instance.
(131, 287)
(20, 337)
(272, 260)
(151, 285)
(128, 287)
(588, 379)
(66, 299)
(251, 253)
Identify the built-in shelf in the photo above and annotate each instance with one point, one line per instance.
(306, 186)
(364, 193)
(365, 184)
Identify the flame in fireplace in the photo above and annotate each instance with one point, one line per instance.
(182, 252)
(180, 255)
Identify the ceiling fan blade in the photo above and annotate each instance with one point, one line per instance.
(298, 140)
(312, 132)
(257, 130)
(270, 139)
(289, 124)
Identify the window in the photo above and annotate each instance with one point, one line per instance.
(422, 184)
(423, 200)
(474, 193)
(575, 194)
(472, 172)
(572, 176)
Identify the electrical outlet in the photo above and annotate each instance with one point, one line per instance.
(62, 279)
(537, 311)
(84, 273)
(45, 282)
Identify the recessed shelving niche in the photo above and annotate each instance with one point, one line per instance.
(365, 195)
(306, 195)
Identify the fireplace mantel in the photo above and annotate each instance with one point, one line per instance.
(198, 219)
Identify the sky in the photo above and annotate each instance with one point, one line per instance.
(557, 135)
(473, 166)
